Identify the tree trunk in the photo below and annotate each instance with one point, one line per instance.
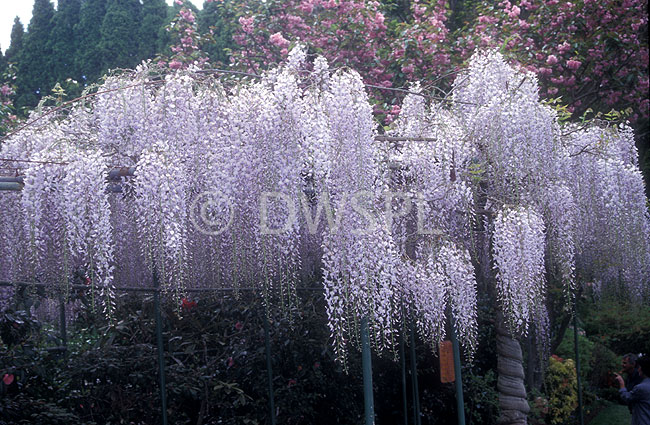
(510, 383)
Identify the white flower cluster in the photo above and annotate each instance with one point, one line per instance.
(87, 218)
(612, 220)
(518, 251)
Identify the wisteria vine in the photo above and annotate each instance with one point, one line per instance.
(271, 182)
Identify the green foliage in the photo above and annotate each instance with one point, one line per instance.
(62, 42)
(154, 14)
(538, 408)
(16, 44)
(621, 326)
(566, 350)
(612, 414)
(215, 363)
(603, 363)
(561, 389)
(119, 34)
(35, 58)
(481, 397)
(3, 62)
(214, 354)
(89, 58)
(27, 399)
(218, 18)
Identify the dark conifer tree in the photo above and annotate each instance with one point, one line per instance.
(35, 77)
(62, 41)
(119, 34)
(17, 33)
(3, 63)
(220, 18)
(89, 59)
(152, 29)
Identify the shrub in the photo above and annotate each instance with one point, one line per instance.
(562, 389)
(620, 326)
(566, 350)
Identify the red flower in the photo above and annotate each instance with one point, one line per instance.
(292, 382)
(8, 379)
(239, 326)
(231, 362)
(316, 365)
(187, 304)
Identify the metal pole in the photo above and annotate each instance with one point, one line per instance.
(159, 342)
(460, 403)
(269, 369)
(581, 419)
(366, 361)
(64, 333)
(403, 364)
(417, 420)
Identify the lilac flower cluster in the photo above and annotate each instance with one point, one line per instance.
(518, 251)
(221, 169)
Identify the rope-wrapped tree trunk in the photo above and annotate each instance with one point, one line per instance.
(513, 404)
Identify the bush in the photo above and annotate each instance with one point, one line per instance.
(215, 369)
(562, 390)
(214, 355)
(620, 326)
(481, 398)
(566, 350)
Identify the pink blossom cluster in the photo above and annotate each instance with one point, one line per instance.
(347, 32)
(187, 40)
(592, 53)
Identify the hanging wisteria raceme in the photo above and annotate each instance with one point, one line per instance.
(560, 216)
(518, 250)
(278, 140)
(87, 218)
(515, 135)
(161, 211)
(360, 270)
(608, 189)
(434, 174)
(449, 281)
(261, 183)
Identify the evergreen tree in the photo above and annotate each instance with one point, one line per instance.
(89, 58)
(154, 14)
(62, 41)
(35, 77)
(220, 18)
(17, 33)
(119, 34)
(3, 63)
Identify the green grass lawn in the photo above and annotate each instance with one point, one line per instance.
(614, 414)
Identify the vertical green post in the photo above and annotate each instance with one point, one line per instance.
(460, 403)
(366, 361)
(417, 419)
(64, 332)
(581, 419)
(269, 368)
(402, 361)
(159, 343)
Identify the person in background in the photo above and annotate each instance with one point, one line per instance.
(638, 398)
(632, 377)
